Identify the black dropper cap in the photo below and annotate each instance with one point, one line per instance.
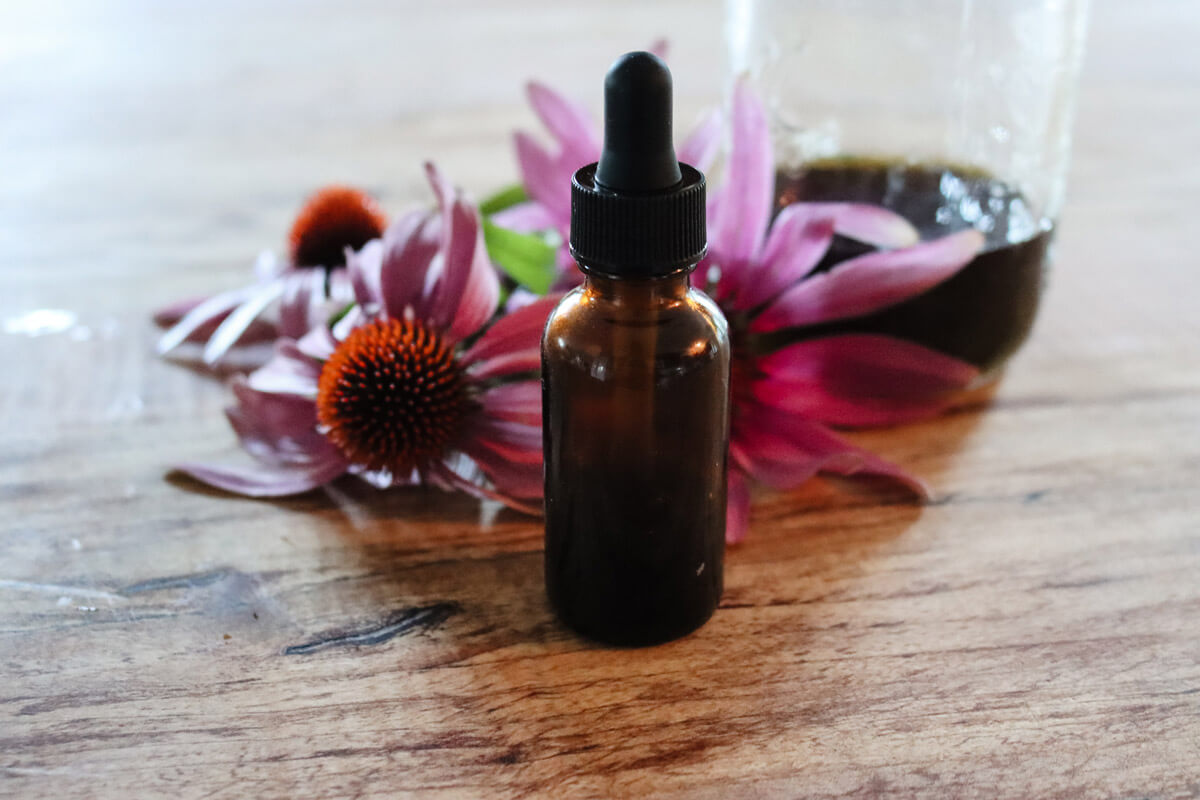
(637, 212)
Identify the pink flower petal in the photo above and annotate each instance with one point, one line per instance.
(516, 442)
(168, 315)
(543, 178)
(784, 450)
(860, 380)
(737, 232)
(365, 267)
(209, 311)
(409, 250)
(274, 416)
(799, 238)
(299, 288)
(318, 343)
(234, 326)
(874, 225)
(517, 332)
(525, 218)
(260, 480)
(737, 508)
(701, 146)
(660, 47)
(468, 290)
(268, 266)
(570, 125)
(515, 402)
(290, 371)
(515, 479)
(871, 282)
(448, 477)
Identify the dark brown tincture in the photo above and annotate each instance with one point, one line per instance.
(983, 313)
(635, 387)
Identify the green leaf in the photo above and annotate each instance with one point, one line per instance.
(507, 197)
(526, 258)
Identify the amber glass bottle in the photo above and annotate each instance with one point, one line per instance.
(635, 378)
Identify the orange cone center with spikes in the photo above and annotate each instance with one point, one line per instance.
(392, 395)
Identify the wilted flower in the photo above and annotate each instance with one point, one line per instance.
(408, 386)
(761, 274)
(287, 297)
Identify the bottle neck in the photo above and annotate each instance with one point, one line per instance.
(638, 290)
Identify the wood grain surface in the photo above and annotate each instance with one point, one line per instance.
(1033, 632)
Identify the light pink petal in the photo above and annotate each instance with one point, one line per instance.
(168, 315)
(517, 332)
(354, 318)
(798, 241)
(261, 480)
(515, 363)
(737, 508)
(299, 289)
(660, 47)
(290, 371)
(570, 124)
(448, 476)
(411, 251)
(234, 326)
(318, 343)
(871, 282)
(365, 268)
(468, 289)
(701, 146)
(783, 450)
(543, 178)
(205, 313)
(268, 266)
(874, 225)
(526, 218)
(860, 380)
(276, 416)
(515, 402)
(745, 205)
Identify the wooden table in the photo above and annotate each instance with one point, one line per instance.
(1035, 632)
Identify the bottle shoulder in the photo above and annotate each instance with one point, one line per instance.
(580, 316)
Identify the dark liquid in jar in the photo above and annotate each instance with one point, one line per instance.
(984, 312)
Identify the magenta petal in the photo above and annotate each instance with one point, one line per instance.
(276, 416)
(701, 146)
(860, 380)
(797, 242)
(299, 288)
(365, 267)
(525, 218)
(515, 402)
(468, 289)
(516, 442)
(745, 203)
(871, 282)
(448, 477)
(542, 177)
(874, 225)
(570, 124)
(513, 478)
(261, 480)
(737, 508)
(409, 249)
(784, 450)
(517, 332)
(290, 371)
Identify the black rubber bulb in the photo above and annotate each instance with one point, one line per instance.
(639, 153)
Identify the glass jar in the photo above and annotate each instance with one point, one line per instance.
(954, 113)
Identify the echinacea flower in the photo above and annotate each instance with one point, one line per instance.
(287, 297)
(408, 386)
(546, 174)
(761, 273)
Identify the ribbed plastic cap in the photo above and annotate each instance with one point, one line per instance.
(637, 212)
